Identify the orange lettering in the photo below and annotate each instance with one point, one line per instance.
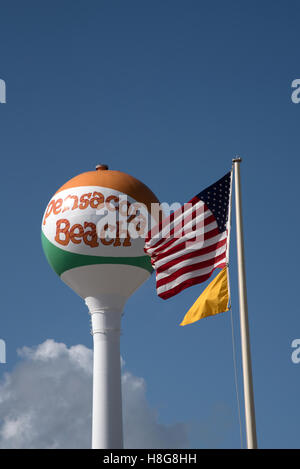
(74, 236)
(64, 230)
(57, 206)
(84, 201)
(96, 200)
(75, 204)
(48, 211)
(64, 234)
(90, 237)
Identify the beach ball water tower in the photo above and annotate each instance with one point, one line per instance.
(102, 267)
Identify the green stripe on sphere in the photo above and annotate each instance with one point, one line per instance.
(61, 260)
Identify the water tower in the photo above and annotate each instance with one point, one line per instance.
(88, 245)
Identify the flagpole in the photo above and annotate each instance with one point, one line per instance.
(244, 324)
(228, 237)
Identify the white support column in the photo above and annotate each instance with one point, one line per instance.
(107, 429)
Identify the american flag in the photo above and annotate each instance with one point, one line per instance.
(190, 243)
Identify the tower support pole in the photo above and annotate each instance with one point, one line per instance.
(107, 428)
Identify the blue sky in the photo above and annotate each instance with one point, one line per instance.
(169, 92)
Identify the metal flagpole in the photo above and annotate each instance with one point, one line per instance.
(228, 236)
(244, 324)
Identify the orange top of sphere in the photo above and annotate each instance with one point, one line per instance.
(116, 180)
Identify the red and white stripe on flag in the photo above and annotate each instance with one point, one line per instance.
(189, 244)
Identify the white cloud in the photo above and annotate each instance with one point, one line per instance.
(141, 422)
(46, 402)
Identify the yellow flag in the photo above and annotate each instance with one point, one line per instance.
(213, 300)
